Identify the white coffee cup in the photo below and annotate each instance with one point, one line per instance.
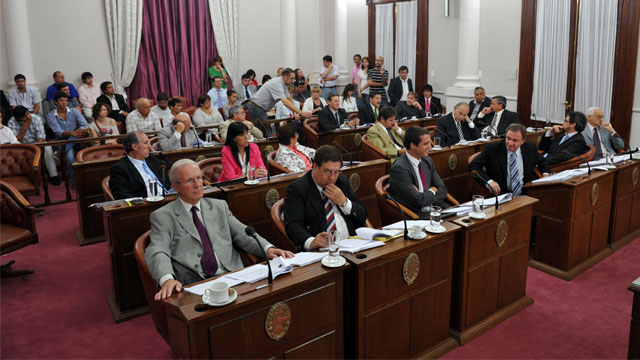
(218, 292)
(415, 231)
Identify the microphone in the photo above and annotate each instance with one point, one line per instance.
(197, 138)
(445, 134)
(345, 150)
(163, 167)
(404, 219)
(250, 231)
(629, 152)
(266, 153)
(565, 151)
(476, 175)
(535, 122)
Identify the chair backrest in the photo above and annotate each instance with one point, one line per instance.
(106, 189)
(388, 209)
(310, 129)
(370, 152)
(274, 167)
(478, 188)
(150, 288)
(575, 161)
(211, 168)
(19, 160)
(186, 107)
(100, 152)
(444, 110)
(277, 220)
(15, 210)
(432, 131)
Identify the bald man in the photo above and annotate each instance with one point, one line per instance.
(142, 119)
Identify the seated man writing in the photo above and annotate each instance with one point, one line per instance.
(192, 238)
(386, 135)
(457, 126)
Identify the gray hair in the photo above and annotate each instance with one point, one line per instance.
(478, 88)
(592, 109)
(173, 172)
(142, 101)
(462, 103)
(235, 109)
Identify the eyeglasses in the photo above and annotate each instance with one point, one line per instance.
(328, 172)
(191, 181)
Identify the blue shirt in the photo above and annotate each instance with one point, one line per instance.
(51, 90)
(214, 93)
(74, 121)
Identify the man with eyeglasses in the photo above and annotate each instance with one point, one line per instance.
(600, 134)
(322, 201)
(568, 138)
(130, 176)
(193, 238)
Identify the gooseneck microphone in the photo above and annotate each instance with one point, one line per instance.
(630, 152)
(476, 175)
(404, 218)
(163, 168)
(565, 151)
(197, 138)
(250, 231)
(266, 155)
(345, 150)
(447, 136)
(535, 122)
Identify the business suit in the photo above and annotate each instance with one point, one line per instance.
(326, 120)
(611, 143)
(122, 104)
(575, 144)
(176, 246)
(366, 114)
(168, 141)
(126, 182)
(491, 163)
(447, 125)
(379, 138)
(435, 106)
(406, 111)
(403, 183)
(472, 104)
(507, 118)
(395, 89)
(241, 93)
(304, 214)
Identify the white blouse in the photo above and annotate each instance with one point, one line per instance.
(349, 106)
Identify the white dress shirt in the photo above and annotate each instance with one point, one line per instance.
(341, 224)
(405, 89)
(414, 164)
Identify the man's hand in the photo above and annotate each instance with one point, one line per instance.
(308, 115)
(180, 127)
(417, 105)
(607, 126)
(79, 133)
(556, 129)
(168, 288)
(320, 241)
(248, 124)
(467, 119)
(496, 188)
(273, 252)
(435, 189)
(124, 113)
(261, 172)
(486, 110)
(335, 194)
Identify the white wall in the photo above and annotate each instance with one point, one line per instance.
(443, 45)
(634, 137)
(4, 65)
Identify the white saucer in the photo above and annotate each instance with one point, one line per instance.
(344, 128)
(232, 297)
(477, 216)
(435, 229)
(420, 237)
(341, 262)
(436, 148)
(251, 182)
(155, 198)
(463, 143)
(208, 145)
(482, 139)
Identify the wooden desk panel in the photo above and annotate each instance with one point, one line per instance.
(625, 211)
(451, 164)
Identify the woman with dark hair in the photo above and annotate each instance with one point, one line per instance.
(347, 100)
(204, 114)
(363, 85)
(252, 74)
(102, 124)
(238, 154)
(218, 70)
(300, 76)
(265, 78)
(290, 154)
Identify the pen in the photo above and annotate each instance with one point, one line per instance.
(254, 289)
(129, 203)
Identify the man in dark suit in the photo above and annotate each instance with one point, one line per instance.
(246, 89)
(369, 113)
(480, 102)
(508, 164)
(571, 141)
(496, 117)
(119, 108)
(321, 201)
(332, 116)
(130, 175)
(434, 104)
(411, 108)
(413, 180)
(400, 86)
(457, 125)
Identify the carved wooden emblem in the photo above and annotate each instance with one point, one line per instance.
(411, 268)
(269, 149)
(502, 232)
(357, 139)
(200, 158)
(453, 161)
(270, 198)
(595, 191)
(634, 177)
(354, 180)
(278, 320)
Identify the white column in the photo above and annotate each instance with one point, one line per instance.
(468, 52)
(288, 28)
(341, 57)
(15, 26)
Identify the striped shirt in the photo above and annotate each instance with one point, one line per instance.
(376, 76)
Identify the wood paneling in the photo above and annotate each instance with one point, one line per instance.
(625, 212)
(527, 59)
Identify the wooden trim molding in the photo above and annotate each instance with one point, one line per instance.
(527, 60)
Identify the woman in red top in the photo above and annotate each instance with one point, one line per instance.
(238, 154)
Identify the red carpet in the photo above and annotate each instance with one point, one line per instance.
(61, 311)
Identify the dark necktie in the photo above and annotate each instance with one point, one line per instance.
(597, 144)
(375, 111)
(183, 141)
(246, 93)
(392, 138)
(423, 177)
(335, 114)
(208, 261)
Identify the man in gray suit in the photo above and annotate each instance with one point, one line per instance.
(193, 238)
(178, 134)
(246, 89)
(601, 135)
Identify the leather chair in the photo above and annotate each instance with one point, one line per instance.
(370, 152)
(100, 152)
(274, 167)
(444, 110)
(432, 131)
(211, 169)
(186, 107)
(18, 227)
(310, 130)
(106, 190)
(575, 161)
(20, 167)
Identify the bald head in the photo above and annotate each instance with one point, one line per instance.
(144, 106)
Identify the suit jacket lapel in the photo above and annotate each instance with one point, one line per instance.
(185, 220)
(316, 199)
(134, 171)
(503, 161)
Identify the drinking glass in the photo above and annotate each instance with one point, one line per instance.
(346, 123)
(434, 216)
(437, 140)
(478, 202)
(208, 137)
(251, 173)
(153, 188)
(333, 244)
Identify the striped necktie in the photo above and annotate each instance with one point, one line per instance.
(459, 127)
(208, 261)
(516, 187)
(597, 144)
(329, 214)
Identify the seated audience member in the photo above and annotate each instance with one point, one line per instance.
(322, 201)
(205, 115)
(6, 134)
(430, 103)
(252, 77)
(130, 176)
(368, 113)
(347, 100)
(305, 79)
(480, 101)
(217, 70)
(332, 116)
(283, 112)
(88, 93)
(73, 102)
(571, 142)
(180, 134)
(400, 86)
(301, 93)
(496, 118)
(413, 180)
(290, 154)
(193, 238)
(232, 96)
(279, 71)
(142, 119)
(58, 77)
(238, 154)
(246, 89)
(29, 129)
(161, 109)
(175, 105)
(457, 125)
(265, 79)
(24, 95)
(508, 164)
(119, 108)
(238, 114)
(411, 108)
(68, 124)
(601, 135)
(316, 102)
(102, 124)
(386, 135)
(218, 94)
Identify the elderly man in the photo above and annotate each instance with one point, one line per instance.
(24, 95)
(457, 125)
(601, 135)
(119, 108)
(479, 102)
(180, 134)
(400, 86)
(563, 147)
(411, 108)
(236, 112)
(386, 135)
(88, 94)
(142, 119)
(58, 77)
(378, 78)
(496, 118)
(332, 116)
(193, 238)
(217, 94)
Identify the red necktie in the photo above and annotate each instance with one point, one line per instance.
(428, 105)
(423, 177)
(208, 261)
(183, 142)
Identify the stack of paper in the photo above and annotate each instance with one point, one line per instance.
(306, 258)
(603, 161)
(354, 245)
(400, 224)
(366, 233)
(467, 207)
(259, 271)
(561, 176)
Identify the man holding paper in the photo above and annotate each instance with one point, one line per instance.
(193, 238)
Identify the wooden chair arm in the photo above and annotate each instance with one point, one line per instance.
(452, 200)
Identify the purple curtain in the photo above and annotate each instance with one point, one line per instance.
(176, 50)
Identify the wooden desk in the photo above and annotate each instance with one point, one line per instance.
(571, 224)
(423, 122)
(634, 334)
(490, 268)
(451, 164)
(625, 212)
(312, 294)
(389, 317)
